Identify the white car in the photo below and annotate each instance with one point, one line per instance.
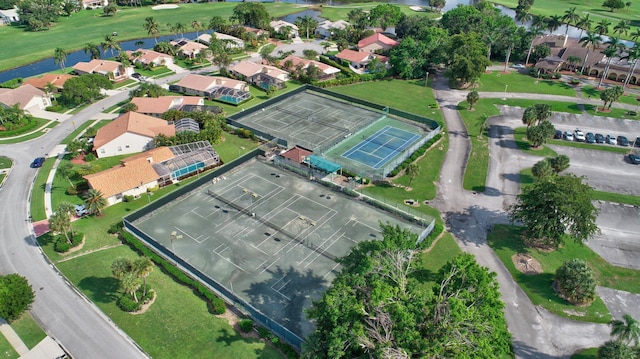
(81, 210)
(579, 135)
(568, 136)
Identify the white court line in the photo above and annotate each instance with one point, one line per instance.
(331, 270)
(315, 252)
(233, 264)
(365, 142)
(396, 151)
(364, 224)
(196, 239)
(324, 250)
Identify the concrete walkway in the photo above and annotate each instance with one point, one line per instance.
(13, 338)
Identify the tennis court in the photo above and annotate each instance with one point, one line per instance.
(378, 149)
(269, 236)
(310, 119)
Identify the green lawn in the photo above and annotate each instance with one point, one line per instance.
(505, 241)
(177, 325)
(616, 197)
(591, 353)
(28, 330)
(5, 162)
(37, 196)
(72, 33)
(30, 136)
(77, 131)
(429, 263)
(554, 7)
(590, 146)
(516, 82)
(6, 350)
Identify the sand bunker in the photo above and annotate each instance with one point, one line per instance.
(165, 7)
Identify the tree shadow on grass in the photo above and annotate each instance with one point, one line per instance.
(100, 289)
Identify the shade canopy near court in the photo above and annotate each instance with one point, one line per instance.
(322, 164)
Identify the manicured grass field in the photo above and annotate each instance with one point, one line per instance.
(583, 7)
(28, 330)
(72, 33)
(5, 162)
(590, 146)
(37, 195)
(497, 81)
(335, 13)
(76, 132)
(177, 325)
(505, 240)
(591, 353)
(616, 197)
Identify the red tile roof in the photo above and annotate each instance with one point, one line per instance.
(297, 154)
(56, 80)
(377, 38)
(135, 123)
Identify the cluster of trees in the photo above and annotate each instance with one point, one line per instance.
(60, 222)
(83, 89)
(39, 15)
(211, 128)
(539, 128)
(132, 275)
(377, 307)
(550, 166)
(13, 117)
(611, 95)
(16, 296)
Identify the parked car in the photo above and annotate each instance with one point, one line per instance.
(579, 135)
(599, 138)
(568, 136)
(589, 138)
(37, 163)
(81, 210)
(136, 75)
(558, 135)
(623, 141)
(634, 158)
(610, 139)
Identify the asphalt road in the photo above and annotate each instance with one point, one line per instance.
(61, 311)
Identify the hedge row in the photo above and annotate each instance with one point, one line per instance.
(217, 305)
(419, 152)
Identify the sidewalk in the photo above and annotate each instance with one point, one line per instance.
(13, 338)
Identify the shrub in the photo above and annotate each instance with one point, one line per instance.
(61, 246)
(90, 157)
(128, 198)
(76, 238)
(575, 283)
(115, 228)
(153, 189)
(82, 186)
(128, 304)
(556, 75)
(71, 191)
(246, 325)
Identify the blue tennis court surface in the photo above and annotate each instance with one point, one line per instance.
(379, 148)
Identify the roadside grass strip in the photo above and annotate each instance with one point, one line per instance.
(498, 81)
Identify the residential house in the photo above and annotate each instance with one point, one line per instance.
(214, 88)
(327, 72)
(231, 42)
(187, 48)
(258, 32)
(359, 61)
(27, 97)
(325, 28)
(114, 70)
(376, 43)
(156, 106)
(260, 75)
(280, 26)
(92, 4)
(57, 80)
(130, 133)
(149, 58)
(8, 16)
(297, 154)
(132, 177)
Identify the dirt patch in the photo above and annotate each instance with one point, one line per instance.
(78, 160)
(234, 321)
(146, 305)
(526, 264)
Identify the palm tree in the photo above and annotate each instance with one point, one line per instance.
(130, 283)
(178, 28)
(523, 15)
(412, 171)
(68, 209)
(590, 41)
(95, 201)
(535, 31)
(110, 44)
(602, 27)
(573, 60)
(529, 116)
(307, 23)
(197, 26)
(553, 23)
(49, 89)
(59, 222)
(59, 57)
(142, 267)
(570, 17)
(627, 330)
(612, 49)
(622, 28)
(472, 98)
(633, 55)
(584, 23)
(635, 35)
(92, 49)
(539, 21)
(152, 27)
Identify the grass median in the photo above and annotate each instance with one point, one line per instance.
(513, 81)
(28, 330)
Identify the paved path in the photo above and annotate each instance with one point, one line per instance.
(13, 338)
(468, 215)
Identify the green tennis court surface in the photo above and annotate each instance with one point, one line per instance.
(269, 236)
(378, 149)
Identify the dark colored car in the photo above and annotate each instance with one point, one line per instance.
(634, 158)
(136, 75)
(590, 138)
(623, 141)
(558, 135)
(637, 142)
(37, 163)
(599, 138)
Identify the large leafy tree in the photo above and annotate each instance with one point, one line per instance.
(376, 308)
(39, 15)
(16, 296)
(467, 58)
(251, 14)
(613, 4)
(82, 89)
(147, 89)
(386, 15)
(554, 206)
(574, 281)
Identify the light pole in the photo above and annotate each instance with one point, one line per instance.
(426, 80)
(239, 150)
(505, 91)
(174, 235)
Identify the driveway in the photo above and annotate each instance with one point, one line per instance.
(298, 48)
